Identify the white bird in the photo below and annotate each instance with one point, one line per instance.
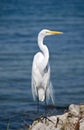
(42, 88)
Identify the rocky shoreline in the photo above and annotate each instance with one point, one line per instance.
(73, 119)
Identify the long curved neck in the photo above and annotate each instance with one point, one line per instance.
(44, 50)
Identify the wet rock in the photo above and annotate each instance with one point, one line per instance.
(71, 120)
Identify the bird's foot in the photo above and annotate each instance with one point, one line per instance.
(44, 119)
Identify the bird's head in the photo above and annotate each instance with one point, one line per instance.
(46, 32)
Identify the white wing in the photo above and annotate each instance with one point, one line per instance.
(41, 77)
(48, 84)
(36, 75)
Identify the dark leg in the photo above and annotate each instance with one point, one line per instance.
(45, 104)
(37, 102)
(43, 117)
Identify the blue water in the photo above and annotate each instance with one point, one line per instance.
(20, 22)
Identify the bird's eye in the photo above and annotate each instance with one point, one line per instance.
(46, 32)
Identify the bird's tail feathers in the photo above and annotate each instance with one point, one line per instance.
(50, 92)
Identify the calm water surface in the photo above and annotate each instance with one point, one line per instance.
(20, 22)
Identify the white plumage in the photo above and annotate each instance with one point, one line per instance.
(41, 85)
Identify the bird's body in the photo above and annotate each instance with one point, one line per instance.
(41, 85)
(41, 77)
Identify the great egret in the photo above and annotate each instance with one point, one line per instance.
(41, 85)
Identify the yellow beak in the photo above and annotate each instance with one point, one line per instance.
(55, 32)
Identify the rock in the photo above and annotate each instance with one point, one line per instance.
(82, 124)
(74, 110)
(71, 120)
(39, 126)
